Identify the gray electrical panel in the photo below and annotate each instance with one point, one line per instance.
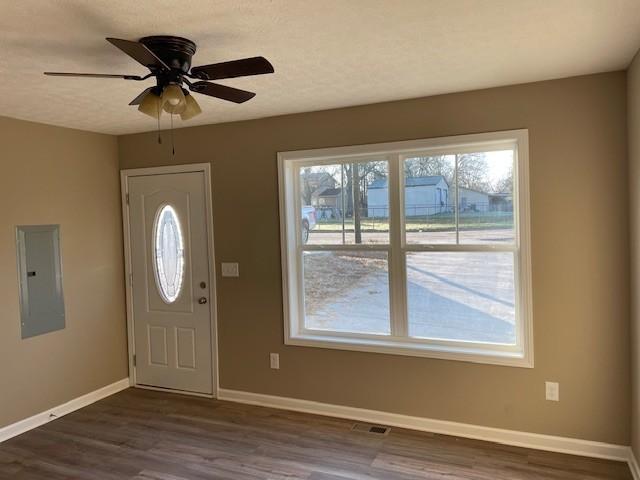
(40, 276)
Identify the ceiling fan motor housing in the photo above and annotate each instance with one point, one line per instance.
(176, 52)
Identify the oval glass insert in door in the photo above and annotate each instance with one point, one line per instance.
(168, 253)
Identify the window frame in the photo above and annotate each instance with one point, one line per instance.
(398, 342)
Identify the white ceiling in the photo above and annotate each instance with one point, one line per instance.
(326, 53)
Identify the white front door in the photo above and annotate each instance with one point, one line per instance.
(171, 295)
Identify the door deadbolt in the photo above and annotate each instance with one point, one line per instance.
(203, 284)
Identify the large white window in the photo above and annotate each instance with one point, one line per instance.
(414, 248)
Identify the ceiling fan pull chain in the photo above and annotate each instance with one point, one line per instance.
(173, 146)
(159, 136)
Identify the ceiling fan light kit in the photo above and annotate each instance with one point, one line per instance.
(168, 59)
(173, 100)
(151, 105)
(191, 109)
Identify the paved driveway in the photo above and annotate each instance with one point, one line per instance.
(455, 296)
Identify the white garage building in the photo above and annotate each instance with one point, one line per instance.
(423, 196)
(472, 200)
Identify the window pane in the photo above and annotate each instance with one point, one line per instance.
(485, 197)
(429, 199)
(346, 291)
(168, 254)
(322, 200)
(339, 205)
(465, 296)
(372, 199)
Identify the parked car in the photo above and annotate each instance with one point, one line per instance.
(308, 222)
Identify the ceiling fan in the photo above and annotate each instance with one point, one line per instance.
(168, 59)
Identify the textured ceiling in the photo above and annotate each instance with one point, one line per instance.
(327, 53)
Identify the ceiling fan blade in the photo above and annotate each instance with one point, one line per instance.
(140, 53)
(93, 75)
(139, 98)
(222, 91)
(235, 68)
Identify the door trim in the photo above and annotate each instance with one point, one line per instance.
(125, 174)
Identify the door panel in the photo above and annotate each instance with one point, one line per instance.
(170, 264)
(186, 347)
(157, 345)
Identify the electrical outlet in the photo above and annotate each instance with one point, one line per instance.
(230, 270)
(274, 360)
(552, 391)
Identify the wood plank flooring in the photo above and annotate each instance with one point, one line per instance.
(147, 435)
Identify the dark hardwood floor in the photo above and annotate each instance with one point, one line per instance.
(146, 435)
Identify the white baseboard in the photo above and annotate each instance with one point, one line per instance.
(56, 412)
(633, 465)
(536, 441)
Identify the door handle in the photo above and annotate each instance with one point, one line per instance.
(202, 300)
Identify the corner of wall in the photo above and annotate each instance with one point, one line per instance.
(633, 152)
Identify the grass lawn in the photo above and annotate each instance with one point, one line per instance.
(431, 223)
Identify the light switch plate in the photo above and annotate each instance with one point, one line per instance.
(230, 269)
(552, 391)
(274, 361)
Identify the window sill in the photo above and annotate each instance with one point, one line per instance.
(443, 352)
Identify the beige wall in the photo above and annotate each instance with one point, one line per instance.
(56, 175)
(633, 117)
(580, 244)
